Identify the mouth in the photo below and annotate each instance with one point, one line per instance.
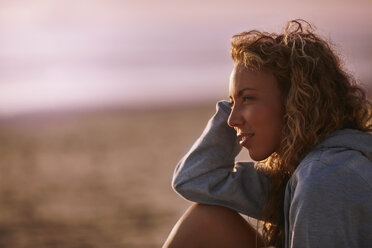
(244, 138)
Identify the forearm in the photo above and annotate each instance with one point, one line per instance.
(206, 173)
(215, 149)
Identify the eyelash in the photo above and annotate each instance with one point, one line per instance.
(245, 98)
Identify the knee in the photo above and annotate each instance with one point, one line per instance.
(191, 228)
(210, 226)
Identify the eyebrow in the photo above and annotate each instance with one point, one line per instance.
(240, 93)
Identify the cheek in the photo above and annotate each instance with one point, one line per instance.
(253, 117)
(275, 124)
(268, 122)
(264, 119)
(262, 116)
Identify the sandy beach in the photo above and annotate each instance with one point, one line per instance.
(97, 179)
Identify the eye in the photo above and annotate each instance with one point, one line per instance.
(248, 98)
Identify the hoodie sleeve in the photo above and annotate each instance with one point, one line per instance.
(207, 173)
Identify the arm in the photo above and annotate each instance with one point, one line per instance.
(206, 174)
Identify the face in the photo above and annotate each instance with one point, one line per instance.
(256, 111)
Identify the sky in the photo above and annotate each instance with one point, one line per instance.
(70, 54)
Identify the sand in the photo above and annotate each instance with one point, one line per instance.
(97, 179)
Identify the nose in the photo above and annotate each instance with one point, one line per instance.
(235, 118)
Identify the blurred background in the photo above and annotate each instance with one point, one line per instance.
(100, 99)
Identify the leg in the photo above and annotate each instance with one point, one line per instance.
(212, 226)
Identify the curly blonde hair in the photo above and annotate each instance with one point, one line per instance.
(319, 98)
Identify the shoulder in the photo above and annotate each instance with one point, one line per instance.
(332, 184)
(333, 171)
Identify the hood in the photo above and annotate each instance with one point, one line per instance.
(351, 139)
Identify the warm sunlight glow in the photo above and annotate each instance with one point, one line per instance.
(56, 53)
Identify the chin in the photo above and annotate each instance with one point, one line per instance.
(257, 156)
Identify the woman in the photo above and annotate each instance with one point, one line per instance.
(306, 122)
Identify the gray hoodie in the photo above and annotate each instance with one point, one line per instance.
(328, 199)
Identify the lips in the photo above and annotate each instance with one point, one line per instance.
(244, 138)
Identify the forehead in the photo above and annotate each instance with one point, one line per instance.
(244, 78)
